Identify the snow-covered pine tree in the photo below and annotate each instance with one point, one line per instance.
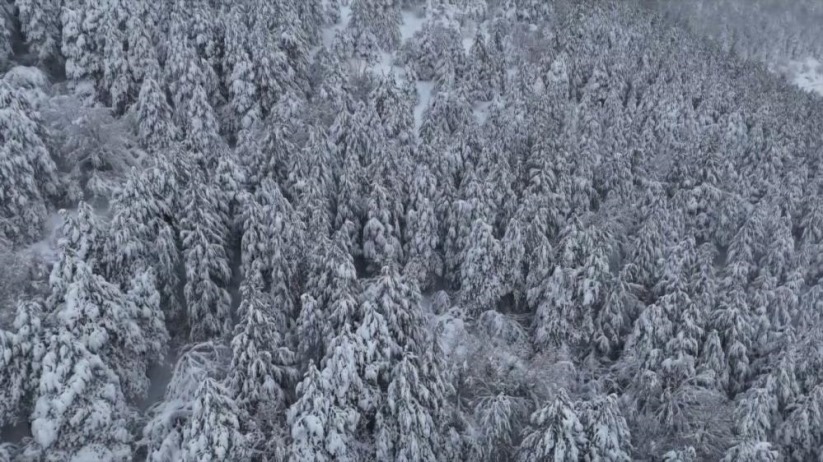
(118, 87)
(144, 295)
(167, 419)
(421, 237)
(732, 320)
(408, 425)
(481, 283)
(142, 233)
(325, 416)
(398, 300)
(309, 328)
(554, 433)
(755, 413)
(203, 233)
(156, 129)
(20, 352)
(244, 102)
(203, 139)
(80, 410)
(311, 176)
(81, 44)
(261, 370)
(378, 18)
(213, 429)
(485, 73)
(436, 52)
(5, 38)
(107, 322)
(608, 433)
(40, 25)
(498, 419)
(27, 170)
(381, 233)
(376, 362)
(751, 451)
(333, 284)
(801, 434)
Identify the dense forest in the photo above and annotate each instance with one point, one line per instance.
(410, 230)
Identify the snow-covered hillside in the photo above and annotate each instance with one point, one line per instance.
(410, 230)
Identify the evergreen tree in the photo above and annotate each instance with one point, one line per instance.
(379, 18)
(606, 430)
(21, 355)
(168, 420)
(421, 237)
(324, 418)
(398, 301)
(751, 451)
(27, 170)
(381, 233)
(498, 418)
(407, 424)
(40, 26)
(156, 130)
(484, 73)
(802, 433)
(81, 43)
(203, 234)
(213, 429)
(142, 234)
(5, 39)
(554, 433)
(80, 410)
(480, 281)
(261, 368)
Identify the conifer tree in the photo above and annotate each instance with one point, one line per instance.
(81, 42)
(40, 26)
(27, 170)
(379, 18)
(480, 281)
(607, 430)
(421, 237)
(80, 410)
(261, 369)
(408, 427)
(554, 433)
(156, 128)
(213, 429)
(750, 451)
(21, 351)
(398, 301)
(203, 233)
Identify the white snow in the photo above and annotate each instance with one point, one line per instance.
(481, 112)
(26, 77)
(330, 33)
(384, 64)
(807, 74)
(451, 333)
(424, 95)
(412, 21)
(46, 248)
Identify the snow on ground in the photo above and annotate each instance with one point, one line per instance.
(46, 249)
(424, 95)
(412, 21)
(330, 33)
(807, 74)
(384, 64)
(481, 111)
